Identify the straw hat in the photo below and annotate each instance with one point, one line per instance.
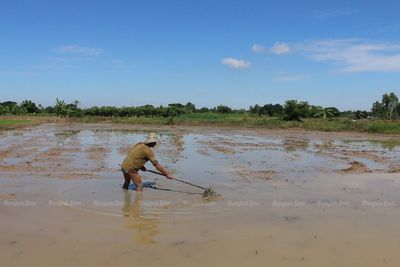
(152, 138)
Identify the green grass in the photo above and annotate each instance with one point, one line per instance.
(388, 127)
(251, 121)
(246, 120)
(13, 122)
(348, 125)
(6, 124)
(214, 119)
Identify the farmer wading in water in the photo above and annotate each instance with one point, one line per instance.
(137, 157)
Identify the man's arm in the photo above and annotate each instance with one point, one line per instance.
(164, 171)
(156, 164)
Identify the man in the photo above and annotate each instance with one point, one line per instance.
(137, 157)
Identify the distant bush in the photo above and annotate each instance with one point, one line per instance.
(388, 108)
(296, 110)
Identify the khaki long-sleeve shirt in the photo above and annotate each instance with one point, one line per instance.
(137, 157)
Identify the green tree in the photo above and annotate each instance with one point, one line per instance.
(9, 107)
(256, 110)
(389, 102)
(315, 110)
(173, 110)
(398, 110)
(271, 109)
(378, 110)
(326, 113)
(9, 104)
(3, 110)
(387, 108)
(190, 107)
(29, 106)
(223, 109)
(296, 110)
(204, 110)
(61, 108)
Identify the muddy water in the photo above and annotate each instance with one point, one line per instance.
(287, 198)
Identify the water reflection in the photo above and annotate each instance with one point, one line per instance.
(291, 145)
(62, 137)
(172, 146)
(146, 227)
(387, 144)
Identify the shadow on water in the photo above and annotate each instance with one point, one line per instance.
(176, 191)
(145, 185)
(153, 185)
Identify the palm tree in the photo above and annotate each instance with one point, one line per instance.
(325, 113)
(61, 108)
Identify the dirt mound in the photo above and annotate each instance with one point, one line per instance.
(220, 146)
(356, 167)
(371, 155)
(251, 175)
(97, 153)
(7, 196)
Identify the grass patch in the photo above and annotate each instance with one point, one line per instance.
(13, 122)
(389, 127)
(6, 124)
(214, 119)
(342, 124)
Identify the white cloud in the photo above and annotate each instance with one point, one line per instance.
(68, 59)
(322, 15)
(76, 49)
(356, 55)
(280, 49)
(236, 63)
(257, 48)
(297, 77)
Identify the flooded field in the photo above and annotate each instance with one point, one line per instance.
(287, 198)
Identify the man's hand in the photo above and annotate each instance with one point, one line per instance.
(163, 171)
(168, 176)
(143, 169)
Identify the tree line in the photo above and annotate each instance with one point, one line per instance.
(388, 108)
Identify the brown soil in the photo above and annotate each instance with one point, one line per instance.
(9, 196)
(356, 167)
(220, 146)
(371, 155)
(97, 153)
(250, 175)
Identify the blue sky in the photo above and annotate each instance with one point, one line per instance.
(239, 53)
